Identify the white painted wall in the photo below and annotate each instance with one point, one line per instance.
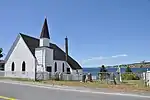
(59, 67)
(44, 58)
(19, 54)
(40, 59)
(49, 57)
(44, 42)
(78, 71)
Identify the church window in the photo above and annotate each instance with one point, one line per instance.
(68, 71)
(23, 66)
(13, 66)
(49, 68)
(63, 67)
(55, 66)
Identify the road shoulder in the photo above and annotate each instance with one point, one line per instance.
(76, 89)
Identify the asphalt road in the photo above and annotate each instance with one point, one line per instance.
(26, 92)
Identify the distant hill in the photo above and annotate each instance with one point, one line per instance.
(140, 65)
(134, 65)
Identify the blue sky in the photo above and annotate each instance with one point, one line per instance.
(100, 31)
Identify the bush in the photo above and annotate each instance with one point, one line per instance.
(130, 76)
(103, 72)
(1, 55)
(128, 69)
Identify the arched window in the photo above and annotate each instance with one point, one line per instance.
(13, 66)
(23, 66)
(63, 67)
(55, 66)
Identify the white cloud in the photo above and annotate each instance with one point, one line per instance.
(100, 59)
(93, 58)
(122, 55)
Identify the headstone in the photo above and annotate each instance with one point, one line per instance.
(60, 76)
(83, 78)
(90, 77)
(57, 76)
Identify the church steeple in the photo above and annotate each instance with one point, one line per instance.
(45, 32)
(44, 37)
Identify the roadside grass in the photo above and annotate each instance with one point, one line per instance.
(126, 85)
(137, 83)
(134, 85)
(16, 79)
(94, 84)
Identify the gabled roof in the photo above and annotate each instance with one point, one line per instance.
(45, 32)
(59, 54)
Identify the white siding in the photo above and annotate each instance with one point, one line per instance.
(44, 42)
(44, 58)
(74, 71)
(48, 57)
(78, 71)
(59, 66)
(66, 65)
(39, 54)
(19, 54)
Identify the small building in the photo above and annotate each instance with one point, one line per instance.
(29, 55)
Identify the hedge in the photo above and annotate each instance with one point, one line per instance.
(130, 76)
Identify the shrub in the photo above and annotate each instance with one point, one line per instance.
(103, 72)
(1, 50)
(103, 69)
(128, 69)
(130, 76)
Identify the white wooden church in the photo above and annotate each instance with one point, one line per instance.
(28, 55)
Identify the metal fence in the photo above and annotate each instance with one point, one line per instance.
(139, 78)
(41, 75)
(2, 74)
(58, 76)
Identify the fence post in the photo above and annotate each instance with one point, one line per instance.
(145, 79)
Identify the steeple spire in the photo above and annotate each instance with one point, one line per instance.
(45, 32)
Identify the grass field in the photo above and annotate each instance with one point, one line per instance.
(130, 85)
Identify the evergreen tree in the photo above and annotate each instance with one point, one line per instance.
(1, 50)
(128, 69)
(103, 69)
(103, 73)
